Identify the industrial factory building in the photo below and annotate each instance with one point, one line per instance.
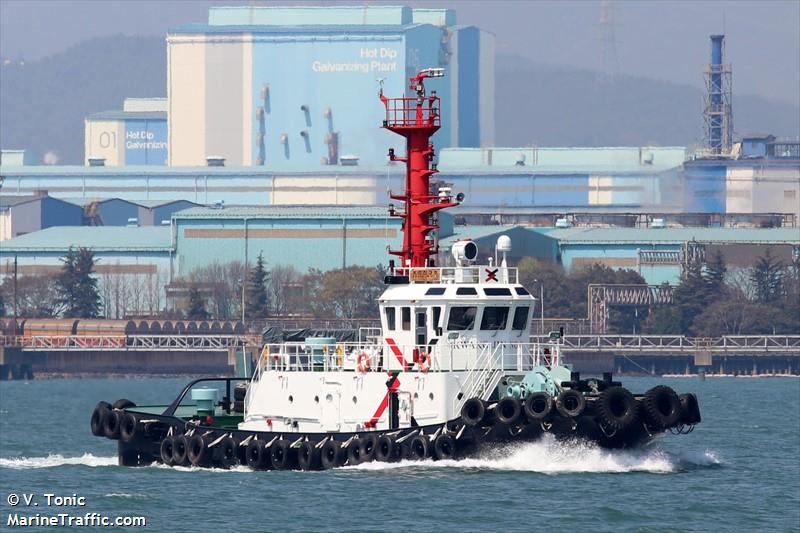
(297, 87)
(137, 135)
(24, 214)
(658, 254)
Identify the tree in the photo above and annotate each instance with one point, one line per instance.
(714, 274)
(350, 292)
(76, 287)
(197, 306)
(767, 276)
(256, 292)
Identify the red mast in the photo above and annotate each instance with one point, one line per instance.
(417, 119)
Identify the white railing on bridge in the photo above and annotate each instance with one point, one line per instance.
(666, 344)
(129, 342)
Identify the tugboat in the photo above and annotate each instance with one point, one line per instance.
(450, 373)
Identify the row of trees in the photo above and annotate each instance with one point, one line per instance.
(710, 300)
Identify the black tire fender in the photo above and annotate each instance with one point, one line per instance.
(129, 427)
(538, 406)
(444, 447)
(308, 457)
(198, 451)
(662, 407)
(570, 403)
(282, 456)
(354, 451)
(332, 455)
(387, 450)
(616, 408)
(473, 412)
(258, 455)
(368, 445)
(96, 422)
(122, 403)
(419, 448)
(228, 457)
(166, 451)
(180, 451)
(111, 423)
(508, 410)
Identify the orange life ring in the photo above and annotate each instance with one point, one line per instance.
(424, 362)
(362, 364)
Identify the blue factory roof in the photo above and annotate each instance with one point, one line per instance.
(60, 239)
(128, 115)
(348, 29)
(299, 211)
(672, 235)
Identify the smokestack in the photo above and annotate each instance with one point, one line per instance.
(718, 113)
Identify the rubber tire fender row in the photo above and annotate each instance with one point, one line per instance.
(538, 406)
(570, 403)
(332, 455)
(662, 407)
(354, 452)
(387, 450)
(166, 450)
(111, 423)
(473, 412)
(368, 445)
(616, 408)
(283, 456)
(258, 455)
(444, 447)
(129, 427)
(508, 410)
(690, 409)
(180, 451)
(419, 449)
(198, 452)
(308, 456)
(96, 422)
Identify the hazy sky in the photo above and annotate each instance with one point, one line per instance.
(665, 40)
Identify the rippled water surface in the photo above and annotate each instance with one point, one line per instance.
(738, 471)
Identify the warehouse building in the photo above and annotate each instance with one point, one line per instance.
(29, 213)
(297, 87)
(137, 135)
(133, 264)
(324, 238)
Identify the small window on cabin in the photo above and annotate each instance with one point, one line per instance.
(422, 319)
(466, 291)
(406, 318)
(494, 318)
(522, 291)
(391, 323)
(520, 318)
(497, 291)
(462, 318)
(437, 316)
(434, 291)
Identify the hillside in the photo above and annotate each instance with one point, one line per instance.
(43, 103)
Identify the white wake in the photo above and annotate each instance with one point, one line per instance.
(53, 460)
(549, 456)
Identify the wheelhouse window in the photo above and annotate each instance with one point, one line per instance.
(522, 291)
(462, 318)
(494, 318)
(391, 323)
(497, 291)
(466, 291)
(434, 291)
(406, 318)
(520, 318)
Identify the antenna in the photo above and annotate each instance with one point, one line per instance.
(609, 67)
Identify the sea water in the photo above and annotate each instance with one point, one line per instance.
(738, 471)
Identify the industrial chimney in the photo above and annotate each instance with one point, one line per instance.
(717, 109)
